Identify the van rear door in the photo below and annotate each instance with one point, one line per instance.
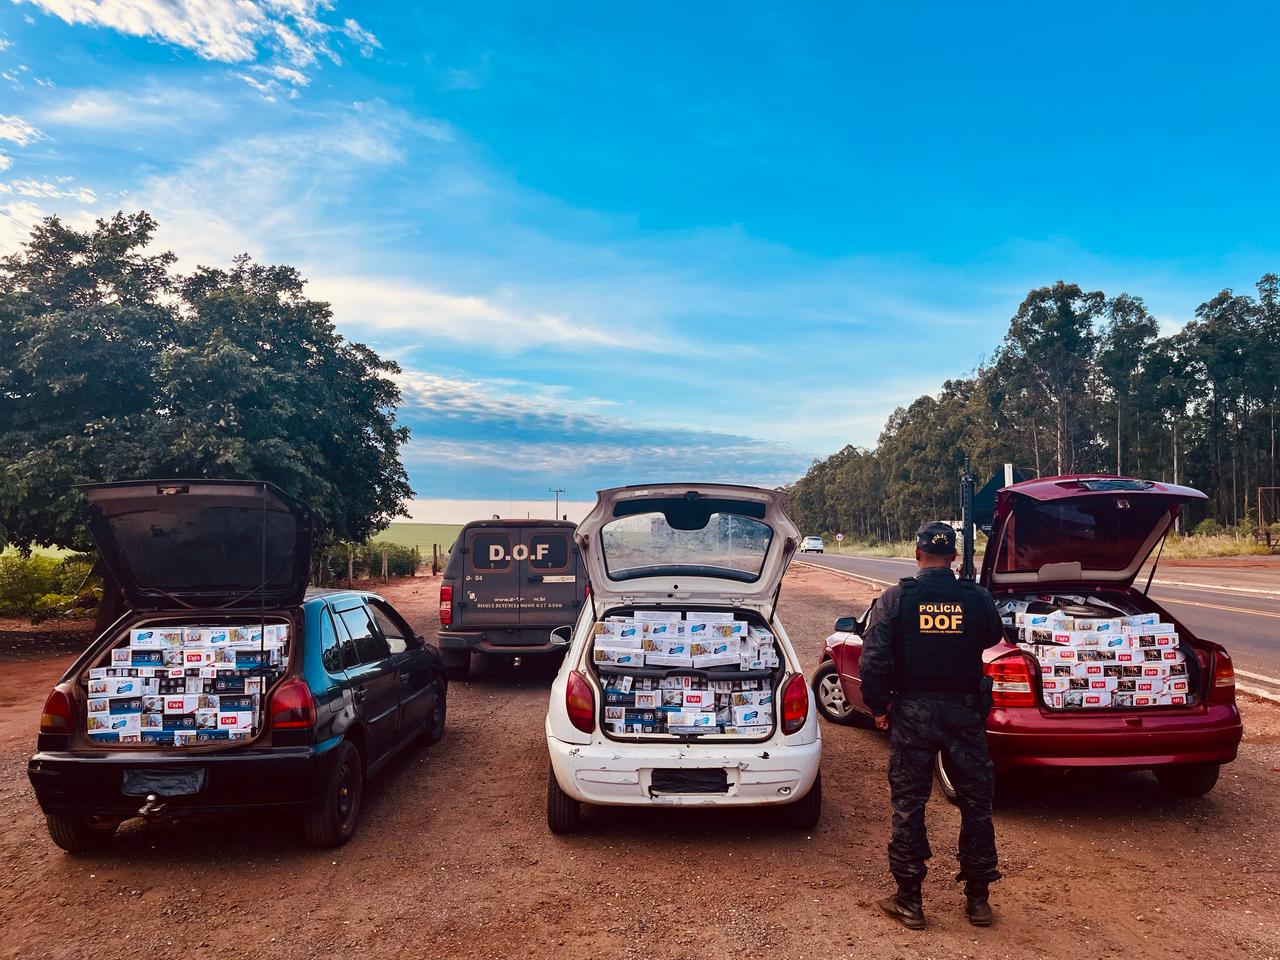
(492, 579)
(552, 582)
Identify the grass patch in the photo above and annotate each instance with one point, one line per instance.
(421, 535)
(1214, 545)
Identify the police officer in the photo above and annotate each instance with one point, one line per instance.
(922, 666)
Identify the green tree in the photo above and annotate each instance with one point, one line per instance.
(1125, 343)
(1048, 355)
(112, 367)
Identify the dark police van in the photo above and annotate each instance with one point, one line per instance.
(511, 588)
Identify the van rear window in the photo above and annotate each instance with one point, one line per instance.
(491, 551)
(548, 551)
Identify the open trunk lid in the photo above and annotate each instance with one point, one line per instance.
(1067, 531)
(225, 544)
(687, 542)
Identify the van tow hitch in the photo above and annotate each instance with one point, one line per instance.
(151, 809)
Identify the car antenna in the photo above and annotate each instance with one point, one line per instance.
(1152, 575)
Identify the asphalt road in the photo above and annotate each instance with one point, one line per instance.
(1246, 623)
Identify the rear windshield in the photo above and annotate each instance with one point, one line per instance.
(726, 545)
(1102, 533)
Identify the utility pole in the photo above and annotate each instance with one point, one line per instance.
(557, 491)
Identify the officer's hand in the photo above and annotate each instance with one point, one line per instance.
(882, 721)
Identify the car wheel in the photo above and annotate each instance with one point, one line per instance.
(944, 779)
(457, 664)
(76, 834)
(804, 814)
(331, 822)
(828, 694)
(434, 730)
(564, 814)
(1188, 779)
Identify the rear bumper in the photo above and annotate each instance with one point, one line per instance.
(614, 775)
(517, 642)
(92, 783)
(1022, 738)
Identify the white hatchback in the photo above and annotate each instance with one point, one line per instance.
(680, 686)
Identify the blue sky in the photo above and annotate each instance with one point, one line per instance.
(616, 244)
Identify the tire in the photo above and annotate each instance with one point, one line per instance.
(1188, 779)
(804, 814)
(828, 695)
(457, 664)
(944, 781)
(76, 834)
(332, 821)
(434, 730)
(564, 814)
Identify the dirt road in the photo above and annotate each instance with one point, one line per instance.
(454, 859)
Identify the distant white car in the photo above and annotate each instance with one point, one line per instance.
(811, 545)
(689, 554)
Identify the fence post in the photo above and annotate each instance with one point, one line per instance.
(384, 564)
(435, 558)
(351, 565)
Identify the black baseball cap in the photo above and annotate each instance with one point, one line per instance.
(936, 537)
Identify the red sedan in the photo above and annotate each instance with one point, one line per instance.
(1071, 547)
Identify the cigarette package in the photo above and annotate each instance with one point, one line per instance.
(752, 716)
(698, 700)
(1055, 684)
(618, 656)
(617, 627)
(655, 659)
(713, 616)
(659, 616)
(754, 730)
(663, 630)
(1141, 620)
(697, 629)
(691, 719)
(1094, 699)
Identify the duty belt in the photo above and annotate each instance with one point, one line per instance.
(943, 696)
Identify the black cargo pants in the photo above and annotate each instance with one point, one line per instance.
(922, 728)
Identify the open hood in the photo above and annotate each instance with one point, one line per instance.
(678, 542)
(202, 543)
(1090, 529)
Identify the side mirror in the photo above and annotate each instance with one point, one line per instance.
(847, 625)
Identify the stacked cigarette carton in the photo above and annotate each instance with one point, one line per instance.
(181, 686)
(685, 705)
(667, 638)
(1094, 663)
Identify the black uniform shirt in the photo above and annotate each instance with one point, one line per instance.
(876, 665)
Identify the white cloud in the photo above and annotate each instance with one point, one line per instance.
(227, 31)
(365, 41)
(371, 303)
(153, 105)
(45, 189)
(18, 131)
(5, 162)
(16, 221)
(5, 44)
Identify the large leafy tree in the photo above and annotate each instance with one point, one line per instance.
(112, 367)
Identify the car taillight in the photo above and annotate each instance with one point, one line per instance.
(1011, 682)
(580, 701)
(56, 716)
(795, 704)
(292, 706)
(1224, 679)
(446, 605)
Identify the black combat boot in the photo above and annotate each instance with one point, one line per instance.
(905, 906)
(976, 907)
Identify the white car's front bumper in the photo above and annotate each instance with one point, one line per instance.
(619, 774)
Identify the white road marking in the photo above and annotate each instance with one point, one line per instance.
(1257, 676)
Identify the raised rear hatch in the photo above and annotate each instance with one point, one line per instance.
(713, 543)
(1067, 531)
(228, 544)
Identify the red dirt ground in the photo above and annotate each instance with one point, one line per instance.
(453, 858)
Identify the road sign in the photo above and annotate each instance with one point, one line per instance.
(839, 538)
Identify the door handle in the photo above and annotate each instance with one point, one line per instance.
(403, 674)
(360, 693)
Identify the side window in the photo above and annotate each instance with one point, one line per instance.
(348, 656)
(370, 645)
(399, 636)
(491, 551)
(330, 650)
(548, 551)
